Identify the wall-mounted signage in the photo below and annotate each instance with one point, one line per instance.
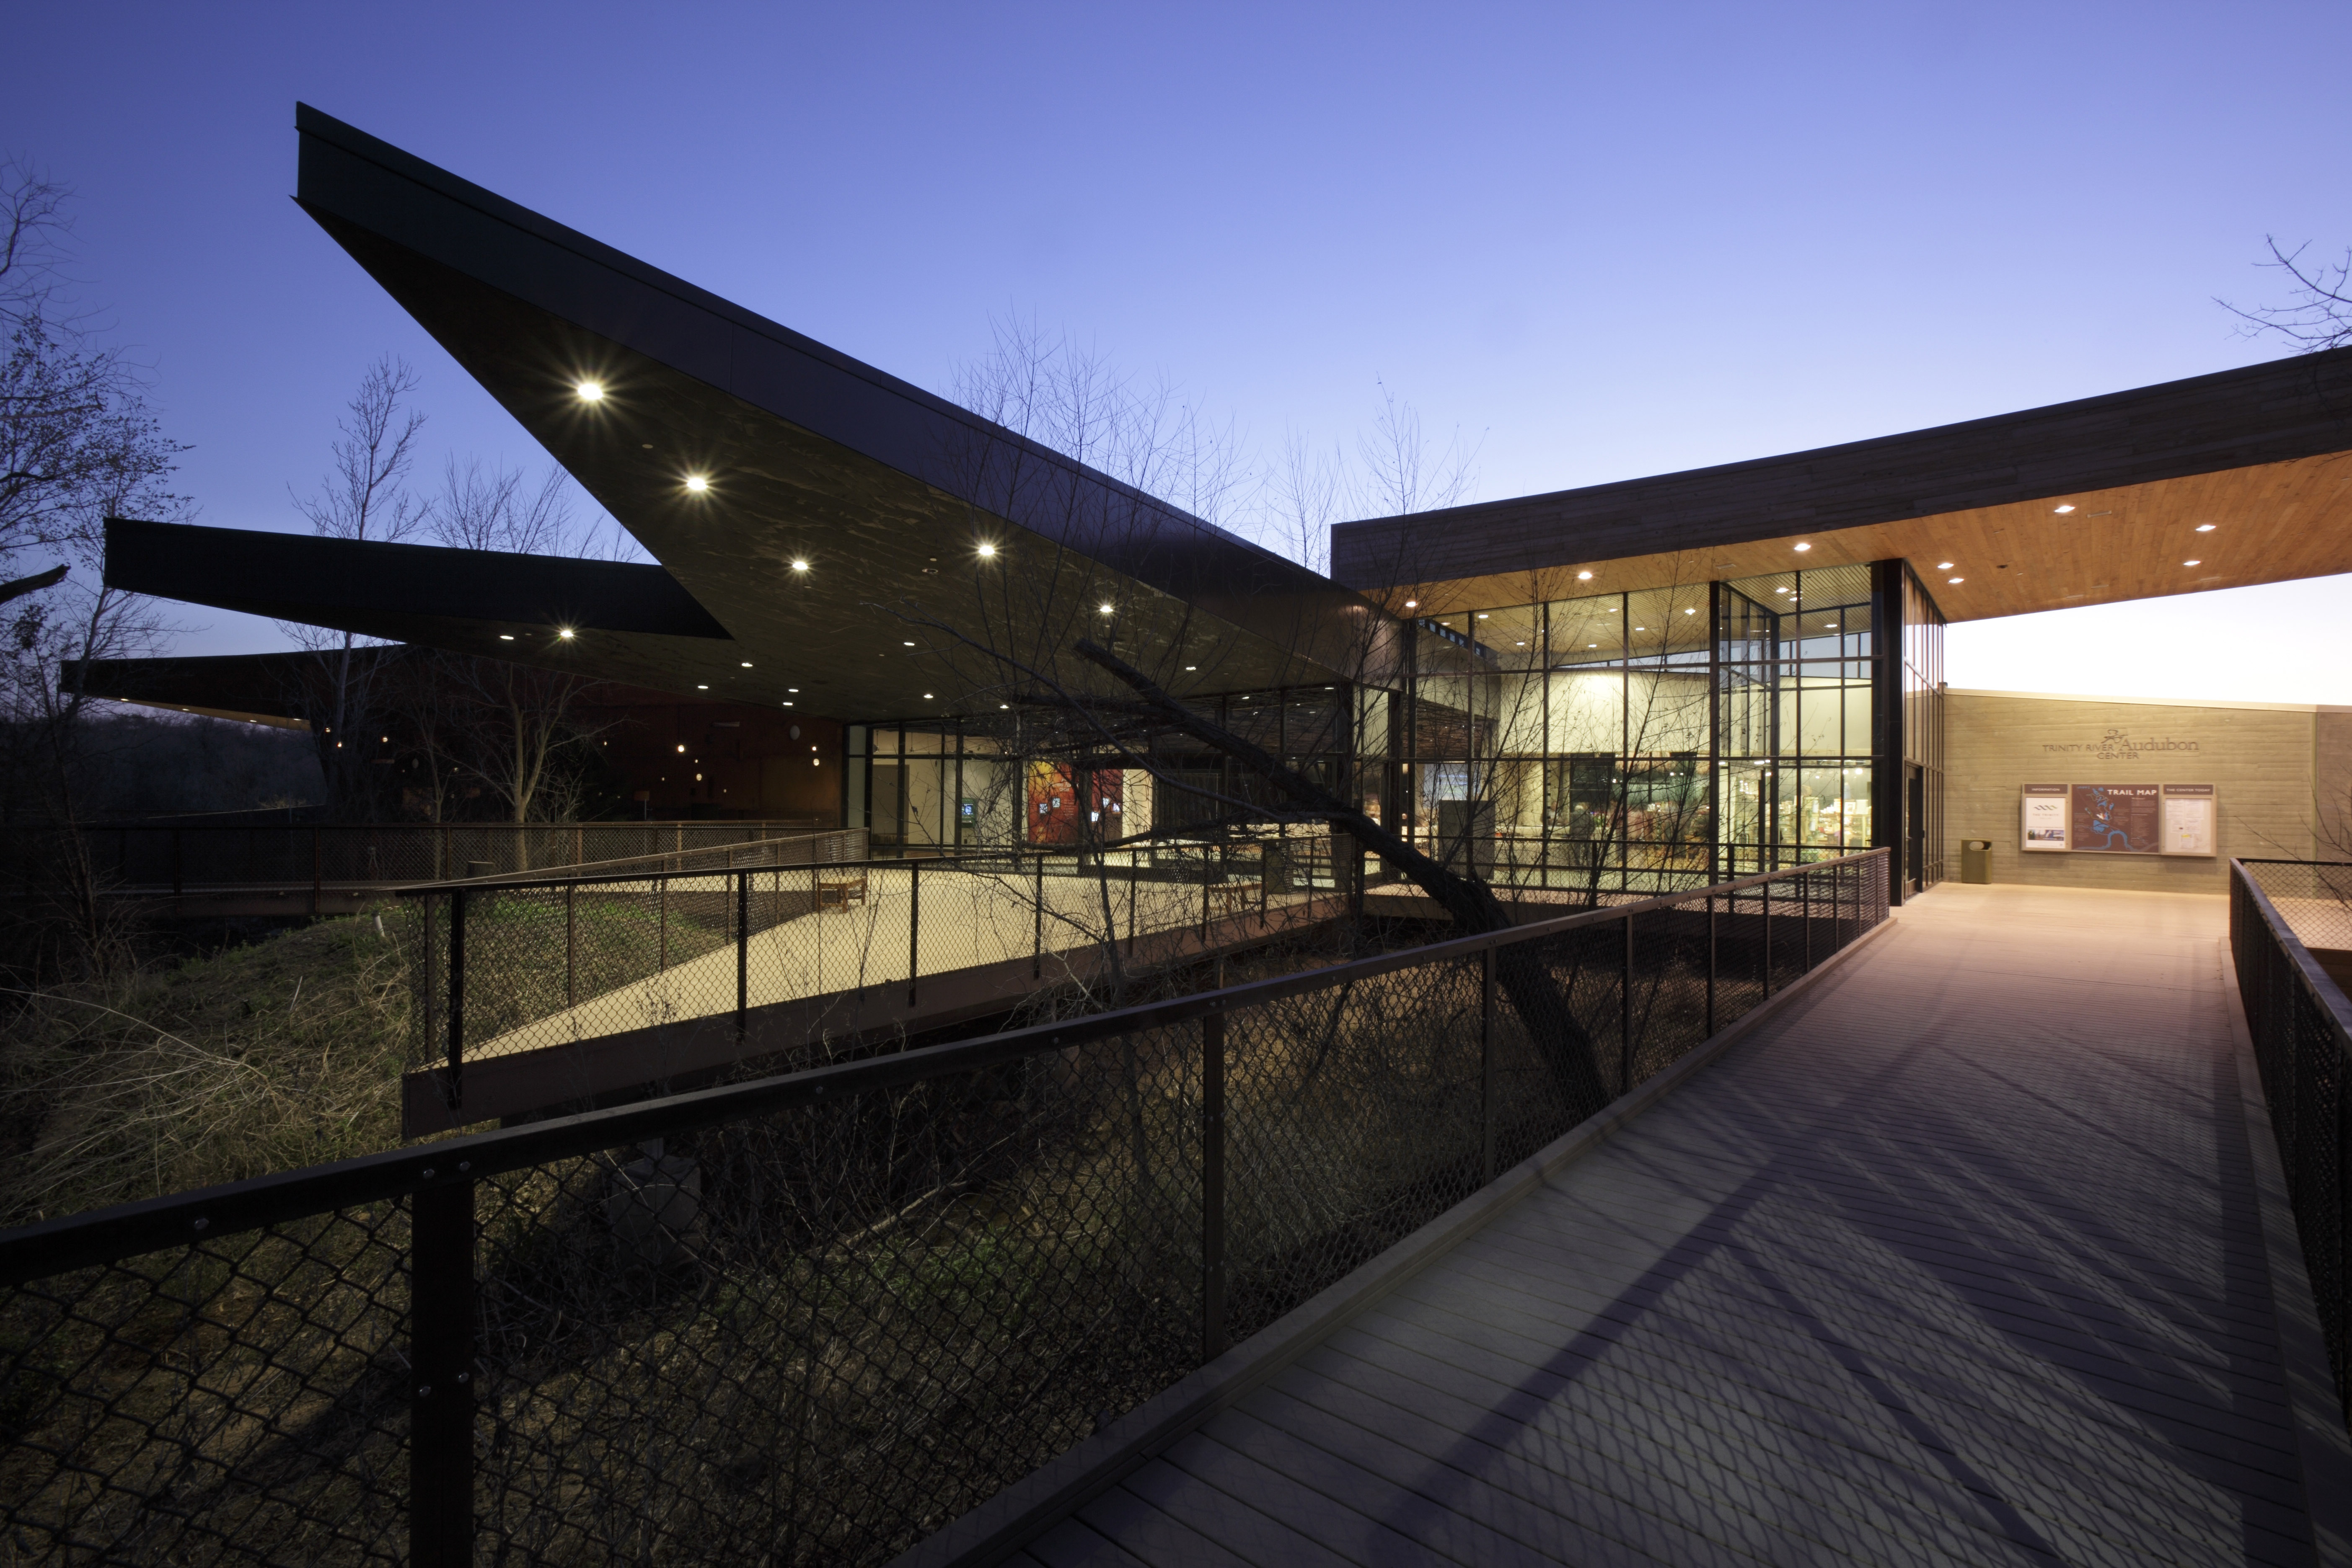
(2045, 817)
(2189, 818)
(2118, 819)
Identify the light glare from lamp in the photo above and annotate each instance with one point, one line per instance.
(800, 566)
(564, 633)
(697, 483)
(589, 391)
(986, 551)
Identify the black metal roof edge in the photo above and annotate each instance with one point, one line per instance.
(2328, 375)
(200, 564)
(314, 122)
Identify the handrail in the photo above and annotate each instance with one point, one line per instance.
(562, 876)
(2300, 1025)
(556, 878)
(124, 1229)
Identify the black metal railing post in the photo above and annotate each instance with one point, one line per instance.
(1625, 1011)
(1486, 1063)
(742, 952)
(570, 945)
(1212, 1185)
(441, 1369)
(1764, 892)
(661, 919)
(1805, 906)
(453, 1091)
(1038, 940)
(914, 928)
(1710, 965)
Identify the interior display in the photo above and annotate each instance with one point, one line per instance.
(2045, 821)
(2118, 819)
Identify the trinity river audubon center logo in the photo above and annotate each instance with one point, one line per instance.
(2117, 746)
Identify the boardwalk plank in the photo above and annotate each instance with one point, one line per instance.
(1955, 1259)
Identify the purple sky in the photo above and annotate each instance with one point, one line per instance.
(1616, 240)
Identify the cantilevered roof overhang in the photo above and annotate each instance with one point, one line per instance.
(2079, 503)
(801, 453)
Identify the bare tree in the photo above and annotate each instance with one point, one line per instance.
(363, 496)
(494, 510)
(2318, 314)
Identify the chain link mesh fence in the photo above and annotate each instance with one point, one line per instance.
(811, 1319)
(2302, 1033)
(2314, 897)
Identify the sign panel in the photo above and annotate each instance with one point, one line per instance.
(2189, 818)
(2115, 819)
(2044, 824)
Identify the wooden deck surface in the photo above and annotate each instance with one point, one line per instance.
(1957, 1262)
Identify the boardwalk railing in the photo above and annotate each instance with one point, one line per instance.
(505, 965)
(2301, 1029)
(813, 1318)
(159, 858)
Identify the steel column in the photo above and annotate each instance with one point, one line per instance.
(441, 1373)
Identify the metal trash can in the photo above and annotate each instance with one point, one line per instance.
(1976, 859)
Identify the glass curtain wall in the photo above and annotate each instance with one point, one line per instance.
(937, 787)
(1796, 665)
(1628, 742)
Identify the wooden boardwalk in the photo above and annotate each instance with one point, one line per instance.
(1957, 1260)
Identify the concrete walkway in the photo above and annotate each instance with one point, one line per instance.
(1959, 1261)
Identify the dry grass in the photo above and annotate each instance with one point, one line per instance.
(280, 1054)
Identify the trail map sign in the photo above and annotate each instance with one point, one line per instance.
(2118, 819)
(2115, 819)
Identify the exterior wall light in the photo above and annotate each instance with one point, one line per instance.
(697, 483)
(589, 391)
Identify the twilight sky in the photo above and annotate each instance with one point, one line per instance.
(1605, 240)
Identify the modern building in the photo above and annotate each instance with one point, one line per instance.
(1689, 675)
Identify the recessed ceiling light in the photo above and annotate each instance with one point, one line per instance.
(2204, 527)
(1690, 612)
(800, 566)
(2192, 563)
(697, 483)
(1001, 706)
(564, 633)
(926, 696)
(699, 687)
(788, 704)
(747, 664)
(1779, 591)
(589, 391)
(1956, 579)
(910, 644)
(1191, 667)
(1412, 604)
(2062, 511)
(1584, 577)
(1592, 645)
(1801, 549)
(794, 690)
(503, 637)
(1482, 615)
(1104, 608)
(681, 749)
(987, 550)
(1943, 566)
(1520, 643)
(1640, 628)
